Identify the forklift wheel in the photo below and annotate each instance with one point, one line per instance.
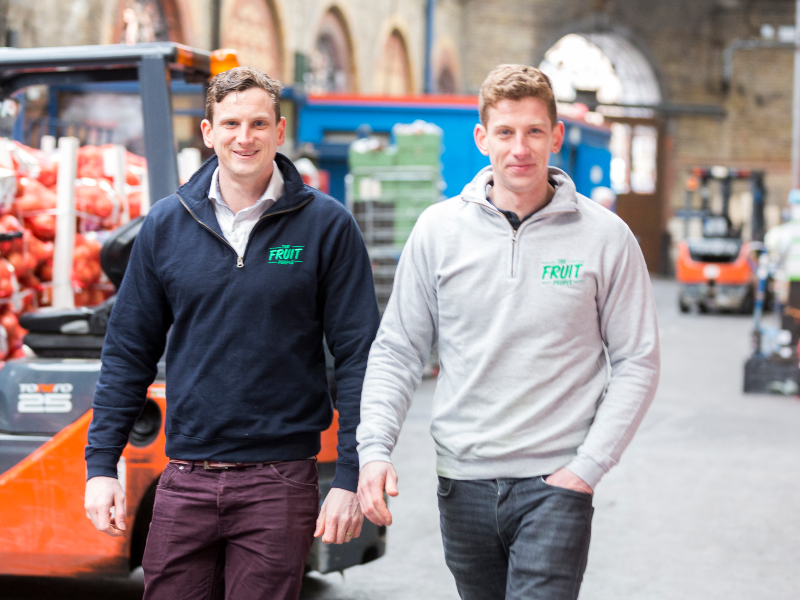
(749, 303)
(684, 306)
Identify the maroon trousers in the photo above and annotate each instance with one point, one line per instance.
(236, 534)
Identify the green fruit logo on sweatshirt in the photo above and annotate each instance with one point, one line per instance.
(562, 272)
(285, 255)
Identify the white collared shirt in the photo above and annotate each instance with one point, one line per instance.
(237, 227)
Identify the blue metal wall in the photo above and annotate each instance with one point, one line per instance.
(585, 155)
(460, 158)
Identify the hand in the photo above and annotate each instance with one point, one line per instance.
(105, 505)
(567, 479)
(374, 478)
(339, 516)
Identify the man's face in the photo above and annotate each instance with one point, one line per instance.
(244, 134)
(518, 139)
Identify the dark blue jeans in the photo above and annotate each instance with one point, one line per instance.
(514, 538)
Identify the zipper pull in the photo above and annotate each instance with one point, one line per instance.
(239, 262)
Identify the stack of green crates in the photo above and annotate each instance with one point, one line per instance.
(385, 156)
(418, 149)
(407, 175)
(363, 163)
(410, 196)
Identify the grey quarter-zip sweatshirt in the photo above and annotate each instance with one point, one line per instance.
(547, 338)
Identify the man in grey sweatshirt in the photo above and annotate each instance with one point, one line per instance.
(543, 312)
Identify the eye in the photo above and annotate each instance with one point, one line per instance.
(260, 124)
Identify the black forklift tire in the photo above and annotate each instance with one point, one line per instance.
(748, 304)
(141, 526)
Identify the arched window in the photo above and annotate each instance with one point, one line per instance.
(251, 27)
(393, 76)
(445, 67)
(602, 63)
(446, 81)
(331, 59)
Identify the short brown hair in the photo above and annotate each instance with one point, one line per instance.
(515, 82)
(240, 79)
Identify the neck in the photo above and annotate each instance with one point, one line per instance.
(521, 203)
(242, 193)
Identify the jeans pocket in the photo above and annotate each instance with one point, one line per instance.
(565, 490)
(300, 474)
(445, 487)
(166, 476)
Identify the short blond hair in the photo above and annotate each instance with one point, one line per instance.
(515, 82)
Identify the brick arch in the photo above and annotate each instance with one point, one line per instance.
(633, 62)
(446, 66)
(393, 75)
(333, 57)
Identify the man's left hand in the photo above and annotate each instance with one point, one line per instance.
(567, 479)
(340, 517)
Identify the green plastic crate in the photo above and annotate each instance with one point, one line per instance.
(376, 158)
(421, 141)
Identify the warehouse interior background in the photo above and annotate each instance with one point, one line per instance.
(683, 84)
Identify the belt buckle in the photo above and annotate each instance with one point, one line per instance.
(208, 467)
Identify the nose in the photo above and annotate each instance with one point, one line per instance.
(243, 135)
(520, 147)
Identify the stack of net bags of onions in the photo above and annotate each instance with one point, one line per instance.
(28, 205)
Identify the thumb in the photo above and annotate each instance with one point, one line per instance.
(320, 523)
(391, 483)
(119, 511)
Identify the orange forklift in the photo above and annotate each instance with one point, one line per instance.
(716, 271)
(45, 400)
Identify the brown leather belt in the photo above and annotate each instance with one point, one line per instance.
(210, 465)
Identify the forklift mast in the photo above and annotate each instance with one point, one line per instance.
(700, 180)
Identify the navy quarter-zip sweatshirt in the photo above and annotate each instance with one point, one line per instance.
(246, 375)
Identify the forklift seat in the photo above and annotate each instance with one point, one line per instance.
(67, 333)
(117, 250)
(70, 321)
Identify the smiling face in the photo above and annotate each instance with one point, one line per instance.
(518, 138)
(245, 136)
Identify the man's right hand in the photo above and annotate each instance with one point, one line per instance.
(375, 478)
(102, 495)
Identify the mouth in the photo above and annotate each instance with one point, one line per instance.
(520, 168)
(245, 154)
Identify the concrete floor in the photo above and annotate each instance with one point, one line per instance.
(705, 503)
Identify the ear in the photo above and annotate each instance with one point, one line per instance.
(480, 139)
(558, 137)
(208, 133)
(281, 131)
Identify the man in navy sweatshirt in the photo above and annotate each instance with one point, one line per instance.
(249, 268)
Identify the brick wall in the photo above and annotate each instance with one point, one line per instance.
(684, 41)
